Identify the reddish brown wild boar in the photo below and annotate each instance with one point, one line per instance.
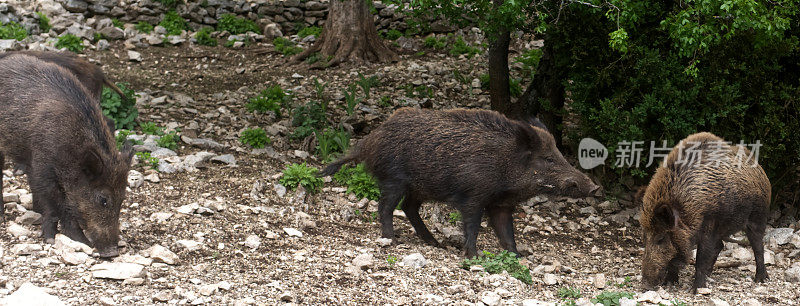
(54, 127)
(476, 160)
(688, 205)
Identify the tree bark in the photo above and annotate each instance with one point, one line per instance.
(349, 34)
(544, 96)
(499, 93)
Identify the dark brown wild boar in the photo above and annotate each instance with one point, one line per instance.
(698, 204)
(476, 160)
(50, 124)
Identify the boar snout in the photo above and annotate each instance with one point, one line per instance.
(580, 186)
(108, 252)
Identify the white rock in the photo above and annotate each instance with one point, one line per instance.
(742, 254)
(415, 261)
(252, 241)
(718, 302)
(599, 281)
(153, 178)
(623, 301)
(137, 259)
(117, 270)
(190, 245)
(26, 200)
(135, 179)
(30, 295)
(17, 230)
(208, 289)
(134, 56)
(29, 218)
(161, 217)
(10, 197)
(224, 285)
(781, 236)
(792, 274)
(292, 232)
(25, 248)
(384, 242)
(160, 253)
(280, 190)
(550, 279)
(490, 298)
(649, 297)
(65, 243)
(751, 302)
(364, 261)
(74, 258)
(704, 291)
(530, 302)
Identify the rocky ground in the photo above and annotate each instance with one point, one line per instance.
(213, 226)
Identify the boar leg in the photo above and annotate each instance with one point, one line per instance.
(706, 255)
(411, 207)
(501, 219)
(755, 234)
(2, 204)
(472, 215)
(71, 229)
(47, 197)
(390, 197)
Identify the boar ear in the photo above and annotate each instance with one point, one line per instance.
(666, 216)
(534, 121)
(638, 197)
(527, 137)
(92, 165)
(127, 152)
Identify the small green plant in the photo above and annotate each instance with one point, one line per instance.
(122, 137)
(169, 3)
(461, 47)
(237, 25)
(391, 34)
(514, 87)
(611, 298)
(271, 99)
(530, 61)
(569, 293)
(286, 47)
(70, 42)
(308, 118)
(303, 175)
(351, 101)
(204, 38)
(147, 160)
(454, 217)
(120, 109)
(626, 283)
(255, 138)
(168, 140)
(331, 143)
(391, 260)
(44, 22)
(309, 31)
(366, 83)
(13, 30)
(677, 302)
(117, 23)
(504, 261)
(232, 41)
(358, 181)
(421, 91)
(174, 23)
(319, 89)
(98, 37)
(144, 27)
(386, 101)
(150, 128)
(435, 43)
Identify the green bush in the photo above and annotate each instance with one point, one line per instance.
(122, 110)
(168, 140)
(308, 118)
(204, 38)
(454, 217)
(271, 99)
(611, 298)
(122, 137)
(461, 47)
(13, 30)
(117, 23)
(174, 23)
(256, 138)
(569, 293)
(435, 43)
(303, 175)
(530, 61)
(144, 27)
(147, 160)
(150, 128)
(237, 25)
(351, 101)
(392, 34)
(331, 143)
(285, 46)
(504, 261)
(44, 22)
(366, 83)
(309, 31)
(358, 182)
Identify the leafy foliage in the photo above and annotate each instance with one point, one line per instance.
(351, 99)
(611, 298)
(174, 23)
(366, 83)
(117, 23)
(13, 30)
(255, 137)
(237, 25)
(145, 158)
(144, 27)
(391, 34)
(461, 47)
(168, 140)
(504, 261)
(285, 46)
(122, 137)
(309, 31)
(122, 110)
(308, 118)
(435, 43)
(530, 61)
(204, 38)
(70, 42)
(150, 128)
(331, 143)
(44, 22)
(358, 182)
(271, 99)
(302, 175)
(169, 3)
(454, 217)
(569, 293)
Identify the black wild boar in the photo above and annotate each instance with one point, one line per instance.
(54, 127)
(476, 160)
(698, 204)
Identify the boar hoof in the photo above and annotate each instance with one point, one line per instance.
(50, 240)
(761, 277)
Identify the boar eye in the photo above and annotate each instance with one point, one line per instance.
(104, 201)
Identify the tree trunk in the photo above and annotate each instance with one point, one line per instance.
(349, 34)
(499, 93)
(544, 96)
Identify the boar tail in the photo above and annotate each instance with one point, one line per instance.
(335, 166)
(116, 89)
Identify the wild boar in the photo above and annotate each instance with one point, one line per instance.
(53, 126)
(476, 160)
(697, 200)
